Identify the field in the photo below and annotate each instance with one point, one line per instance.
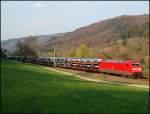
(27, 88)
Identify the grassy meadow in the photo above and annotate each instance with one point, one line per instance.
(28, 88)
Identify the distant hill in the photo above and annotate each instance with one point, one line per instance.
(10, 44)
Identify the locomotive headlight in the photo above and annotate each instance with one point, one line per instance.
(138, 68)
(134, 69)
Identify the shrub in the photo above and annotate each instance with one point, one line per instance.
(136, 46)
(142, 61)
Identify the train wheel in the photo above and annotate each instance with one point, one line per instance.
(126, 76)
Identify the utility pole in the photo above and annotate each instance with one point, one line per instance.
(37, 54)
(54, 57)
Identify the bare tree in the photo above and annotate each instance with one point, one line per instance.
(27, 47)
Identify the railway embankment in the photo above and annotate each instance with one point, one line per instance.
(103, 78)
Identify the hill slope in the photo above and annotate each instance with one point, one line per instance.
(102, 33)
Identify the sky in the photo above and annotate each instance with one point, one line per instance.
(25, 18)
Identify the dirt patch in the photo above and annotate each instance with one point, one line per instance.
(106, 77)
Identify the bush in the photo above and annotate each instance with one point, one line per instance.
(83, 51)
(142, 61)
(106, 54)
(136, 46)
(125, 55)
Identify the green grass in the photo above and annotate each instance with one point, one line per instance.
(31, 88)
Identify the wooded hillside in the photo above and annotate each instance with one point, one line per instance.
(103, 33)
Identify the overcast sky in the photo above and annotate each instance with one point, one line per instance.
(24, 18)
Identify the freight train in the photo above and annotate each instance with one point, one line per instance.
(129, 68)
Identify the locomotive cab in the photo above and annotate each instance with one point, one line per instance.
(136, 69)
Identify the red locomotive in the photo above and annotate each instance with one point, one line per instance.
(130, 68)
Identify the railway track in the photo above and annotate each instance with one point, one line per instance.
(128, 68)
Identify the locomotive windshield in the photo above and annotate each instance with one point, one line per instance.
(135, 64)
